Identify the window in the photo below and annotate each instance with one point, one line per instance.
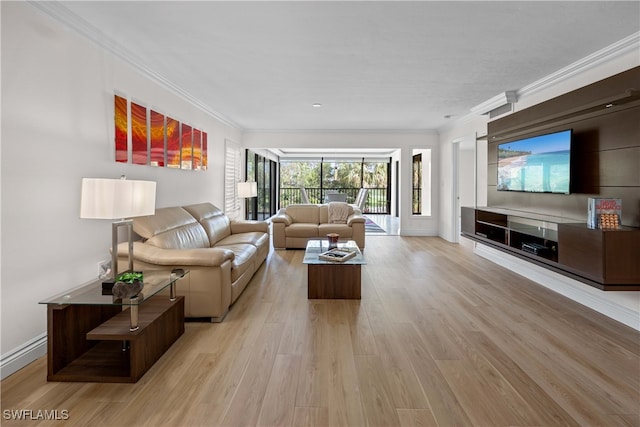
(421, 182)
(263, 171)
(341, 175)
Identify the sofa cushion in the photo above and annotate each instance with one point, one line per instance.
(301, 230)
(255, 238)
(171, 228)
(343, 230)
(303, 213)
(244, 257)
(215, 223)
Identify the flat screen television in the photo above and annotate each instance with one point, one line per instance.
(539, 164)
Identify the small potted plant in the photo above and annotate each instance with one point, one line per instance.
(128, 284)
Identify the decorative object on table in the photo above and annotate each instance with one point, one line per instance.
(604, 213)
(128, 284)
(337, 255)
(332, 238)
(117, 199)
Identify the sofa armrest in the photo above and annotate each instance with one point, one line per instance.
(355, 218)
(249, 226)
(283, 218)
(159, 256)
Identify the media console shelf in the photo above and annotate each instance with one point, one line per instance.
(606, 259)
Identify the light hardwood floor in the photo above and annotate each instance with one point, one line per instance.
(441, 337)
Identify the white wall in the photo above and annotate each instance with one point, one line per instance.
(405, 142)
(57, 127)
(465, 131)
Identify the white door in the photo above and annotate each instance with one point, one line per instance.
(463, 180)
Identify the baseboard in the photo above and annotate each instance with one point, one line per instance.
(21, 356)
(601, 301)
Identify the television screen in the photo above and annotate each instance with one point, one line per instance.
(538, 164)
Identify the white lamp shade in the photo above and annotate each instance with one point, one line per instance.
(117, 198)
(247, 189)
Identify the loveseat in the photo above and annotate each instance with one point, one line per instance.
(221, 255)
(295, 225)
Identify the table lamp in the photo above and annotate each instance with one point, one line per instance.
(247, 190)
(117, 199)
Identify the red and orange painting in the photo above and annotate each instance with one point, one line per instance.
(197, 149)
(156, 131)
(172, 128)
(186, 148)
(204, 151)
(156, 139)
(139, 150)
(121, 128)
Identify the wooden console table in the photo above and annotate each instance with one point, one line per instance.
(91, 336)
(605, 259)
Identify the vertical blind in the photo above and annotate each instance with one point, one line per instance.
(232, 175)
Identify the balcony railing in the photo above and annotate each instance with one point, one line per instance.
(376, 202)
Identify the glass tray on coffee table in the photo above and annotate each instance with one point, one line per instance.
(317, 246)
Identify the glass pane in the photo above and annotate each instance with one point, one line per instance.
(296, 174)
(375, 180)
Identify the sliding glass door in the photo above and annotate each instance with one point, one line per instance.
(264, 172)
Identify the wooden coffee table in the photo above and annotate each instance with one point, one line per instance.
(333, 280)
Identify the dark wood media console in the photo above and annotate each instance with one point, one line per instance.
(605, 259)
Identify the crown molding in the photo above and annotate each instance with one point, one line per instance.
(60, 13)
(344, 131)
(622, 47)
(508, 97)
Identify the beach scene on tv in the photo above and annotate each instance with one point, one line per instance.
(537, 164)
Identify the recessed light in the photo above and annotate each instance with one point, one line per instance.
(317, 105)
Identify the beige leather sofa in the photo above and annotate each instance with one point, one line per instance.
(294, 225)
(221, 255)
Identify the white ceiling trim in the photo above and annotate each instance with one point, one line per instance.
(622, 47)
(344, 131)
(508, 97)
(609, 53)
(63, 15)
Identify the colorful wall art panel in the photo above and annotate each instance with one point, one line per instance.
(197, 149)
(173, 143)
(186, 147)
(156, 139)
(156, 131)
(121, 129)
(139, 150)
(204, 151)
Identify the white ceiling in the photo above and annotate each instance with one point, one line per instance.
(372, 65)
